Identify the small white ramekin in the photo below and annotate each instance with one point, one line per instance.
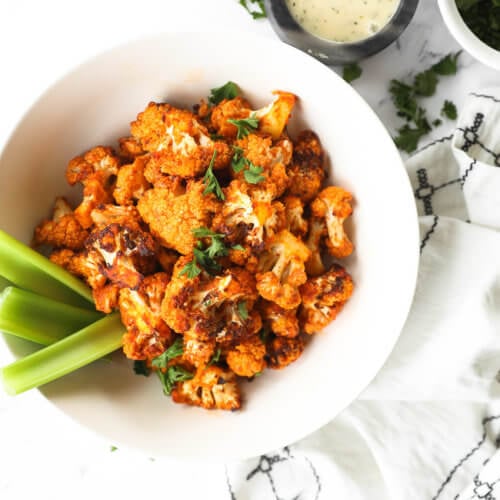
(465, 37)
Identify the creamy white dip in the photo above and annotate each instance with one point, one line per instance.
(343, 20)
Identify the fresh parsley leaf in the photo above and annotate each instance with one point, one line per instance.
(254, 7)
(242, 310)
(351, 72)
(245, 125)
(217, 248)
(141, 368)
(171, 376)
(252, 173)
(238, 247)
(211, 182)
(449, 110)
(112, 448)
(264, 334)
(191, 269)
(447, 65)
(425, 83)
(175, 350)
(204, 232)
(404, 99)
(437, 122)
(227, 91)
(215, 356)
(238, 161)
(408, 137)
(205, 261)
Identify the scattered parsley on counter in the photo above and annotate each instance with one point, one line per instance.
(406, 100)
(483, 18)
(255, 8)
(449, 110)
(227, 91)
(351, 72)
(112, 448)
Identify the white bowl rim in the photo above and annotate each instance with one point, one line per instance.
(465, 37)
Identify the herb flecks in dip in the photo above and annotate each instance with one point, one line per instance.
(343, 20)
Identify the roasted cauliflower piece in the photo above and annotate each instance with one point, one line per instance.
(281, 351)
(131, 183)
(172, 216)
(95, 170)
(247, 221)
(282, 322)
(272, 158)
(282, 270)
(229, 109)
(108, 214)
(179, 144)
(323, 298)
(197, 352)
(129, 148)
(333, 204)
(317, 231)
(147, 334)
(274, 117)
(306, 172)
(294, 214)
(63, 230)
(247, 358)
(106, 297)
(211, 388)
(124, 254)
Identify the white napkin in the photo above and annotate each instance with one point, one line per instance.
(429, 424)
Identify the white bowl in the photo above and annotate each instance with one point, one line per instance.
(465, 37)
(94, 105)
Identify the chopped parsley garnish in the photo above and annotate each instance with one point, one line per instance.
(204, 256)
(215, 356)
(351, 72)
(141, 368)
(169, 375)
(112, 448)
(211, 183)
(483, 18)
(405, 98)
(255, 8)
(227, 91)
(449, 110)
(251, 172)
(242, 310)
(245, 125)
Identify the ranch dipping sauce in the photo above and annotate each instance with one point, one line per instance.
(342, 20)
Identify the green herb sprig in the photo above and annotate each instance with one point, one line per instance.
(255, 8)
(251, 172)
(227, 91)
(245, 125)
(211, 183)
(351, 72)
(406, 100)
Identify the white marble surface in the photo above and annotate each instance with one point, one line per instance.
(42, 453)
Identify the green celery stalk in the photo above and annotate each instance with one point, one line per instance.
(4, 283)
(40, 319)
(65, 356)
(26, 268)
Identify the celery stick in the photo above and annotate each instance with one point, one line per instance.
(4, 283)
(30, 270)
(52, 362)
(40, 319)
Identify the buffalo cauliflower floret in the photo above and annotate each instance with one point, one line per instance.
(125, 254)
(147, 334)
(130, 182)
(108, 214)
(95, 170)
(129, 148)
(197, 352)
(282, 270)
(177, 141)
(282, 322)
(247, 359)
(211, 307)
(281, 351)
(317, 231)
(271, 158)
(84, 264)
(274, 117)
(211, 388)
(294, 211)
(333, 204)
(229, 109)
(306, 172)
(324, 297)
(106, 297)
(172, 217)
(63, 230)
